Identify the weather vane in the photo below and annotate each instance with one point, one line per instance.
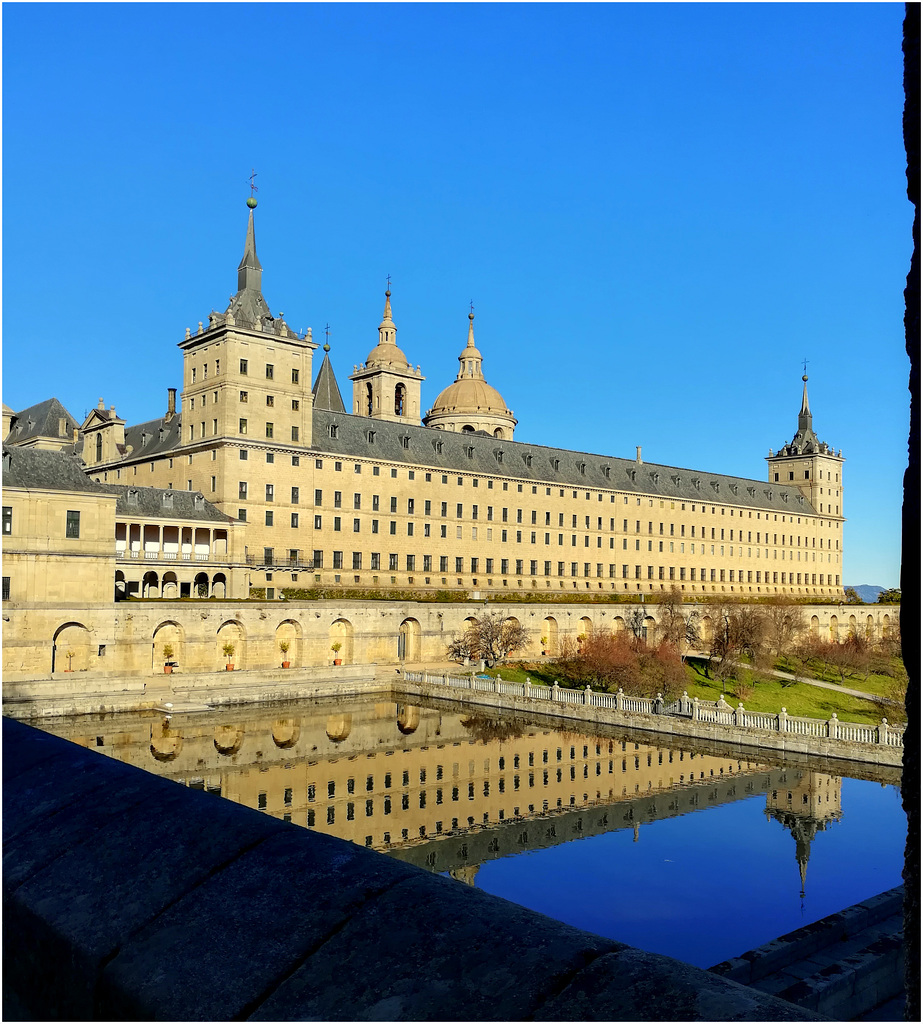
(389, 282)
(471, 305)
(253, 188)
(805, 366)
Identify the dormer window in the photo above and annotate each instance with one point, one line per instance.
(132, 497)
(438, 446)
(606, 471)
(405, 441)
(166, 499)
(631, 474)
(734, 488)
(371, 436)
(333, 430)
(696, 482)
(655, 477)
(751, 491)
(199, 502)
(784, 496)
(715, 485)
(676, 479)
(581, 467)
(498, 452)
(469, 451)
(555, 464)
(527, 459)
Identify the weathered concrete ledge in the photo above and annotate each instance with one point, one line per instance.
(127, 897)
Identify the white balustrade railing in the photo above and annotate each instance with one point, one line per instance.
(715, 712)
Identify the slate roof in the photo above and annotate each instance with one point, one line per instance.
(149, 504)
(477, 454)
(326, 391)
(37, 468)
(41, 420)
(154, 437)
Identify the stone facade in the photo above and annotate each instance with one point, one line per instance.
(372, 499)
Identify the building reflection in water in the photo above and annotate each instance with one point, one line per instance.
(447, 791)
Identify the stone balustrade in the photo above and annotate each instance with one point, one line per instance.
(737, 724)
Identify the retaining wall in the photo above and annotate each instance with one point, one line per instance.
(127, 897)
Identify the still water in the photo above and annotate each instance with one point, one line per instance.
(685, 851)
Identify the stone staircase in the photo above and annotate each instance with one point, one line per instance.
(843, 967)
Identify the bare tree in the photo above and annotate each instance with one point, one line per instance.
(491, 637)
(784, 624)
(674, 626)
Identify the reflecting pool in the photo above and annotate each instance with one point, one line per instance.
(683, 850)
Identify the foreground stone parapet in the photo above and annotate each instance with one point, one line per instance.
(128, 897)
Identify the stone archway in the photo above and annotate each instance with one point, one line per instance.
(168, 634)
(231, 633)
(339, 727)
(289, 632)
(834, 629)
(121, 590)
(169, 586)
(219, 586)
(228, 739)
(408, 640)
(852, 625)
(707, 631)
(650, 630)
(550, 633)
(815, 626)
(341, 632)
(150, 584)
(71, 648)
(285, 732)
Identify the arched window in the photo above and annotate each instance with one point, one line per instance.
(399, 395)
(99, 447)
(368, 399)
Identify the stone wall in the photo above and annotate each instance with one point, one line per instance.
(127, 897)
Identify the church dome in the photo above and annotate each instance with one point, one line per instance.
(470, 403)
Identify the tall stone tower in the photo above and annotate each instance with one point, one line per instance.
(813, 465)
(386, 386)
(248, 375)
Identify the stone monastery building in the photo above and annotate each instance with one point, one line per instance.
(382, 495)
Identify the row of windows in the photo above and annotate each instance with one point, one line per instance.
(242, 429)
(244, 369)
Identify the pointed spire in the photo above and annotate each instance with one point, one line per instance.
(326, 391)
(249, 270)
(470, 358)
(471, 327)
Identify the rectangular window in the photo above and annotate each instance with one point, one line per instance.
(242, 514)
(295, 434)
(269, 371)
(294, 520)
(357, 559)
(242, 426)
(269, 430)
(392, 562)
(269, 492)
(72, 528)
(6, 588)
(376, 561)
(7, 519)
(269, 518)
(338, 559)
(243, 367)
(296, 494)
(411, 561)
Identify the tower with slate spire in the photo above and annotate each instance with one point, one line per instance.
(246, 375)
(816, 469)
(386, 386)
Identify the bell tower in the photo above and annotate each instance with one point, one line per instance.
(386, 386)
(814, 466)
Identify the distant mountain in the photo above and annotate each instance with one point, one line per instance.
(868, 593)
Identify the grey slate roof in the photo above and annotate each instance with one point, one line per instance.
(478, 454)
(41, 420)
(154, 437)
(148, 503)
(326, 391)
(37, 468)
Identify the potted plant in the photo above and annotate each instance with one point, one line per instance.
(283, 647)
(544, 642)
(168, 662)
(70, 660)
(228, 652)
(335, 647)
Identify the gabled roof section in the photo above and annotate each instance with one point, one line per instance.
(348, 436)
(41, 469)
(326, 391)
(164, 503)
(42, 420)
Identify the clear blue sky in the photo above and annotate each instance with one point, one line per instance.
(658, 210)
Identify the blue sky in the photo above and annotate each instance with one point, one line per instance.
(658, 210)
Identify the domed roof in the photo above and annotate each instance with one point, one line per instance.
(386, 352)
(470, 393)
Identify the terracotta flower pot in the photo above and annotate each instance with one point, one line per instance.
(229, 668)
(338, 661)
(285, 664)
(168, 669)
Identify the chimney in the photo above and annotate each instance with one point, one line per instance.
(638, 458)
(171, 404)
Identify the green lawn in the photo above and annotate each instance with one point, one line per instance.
(799, 699)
